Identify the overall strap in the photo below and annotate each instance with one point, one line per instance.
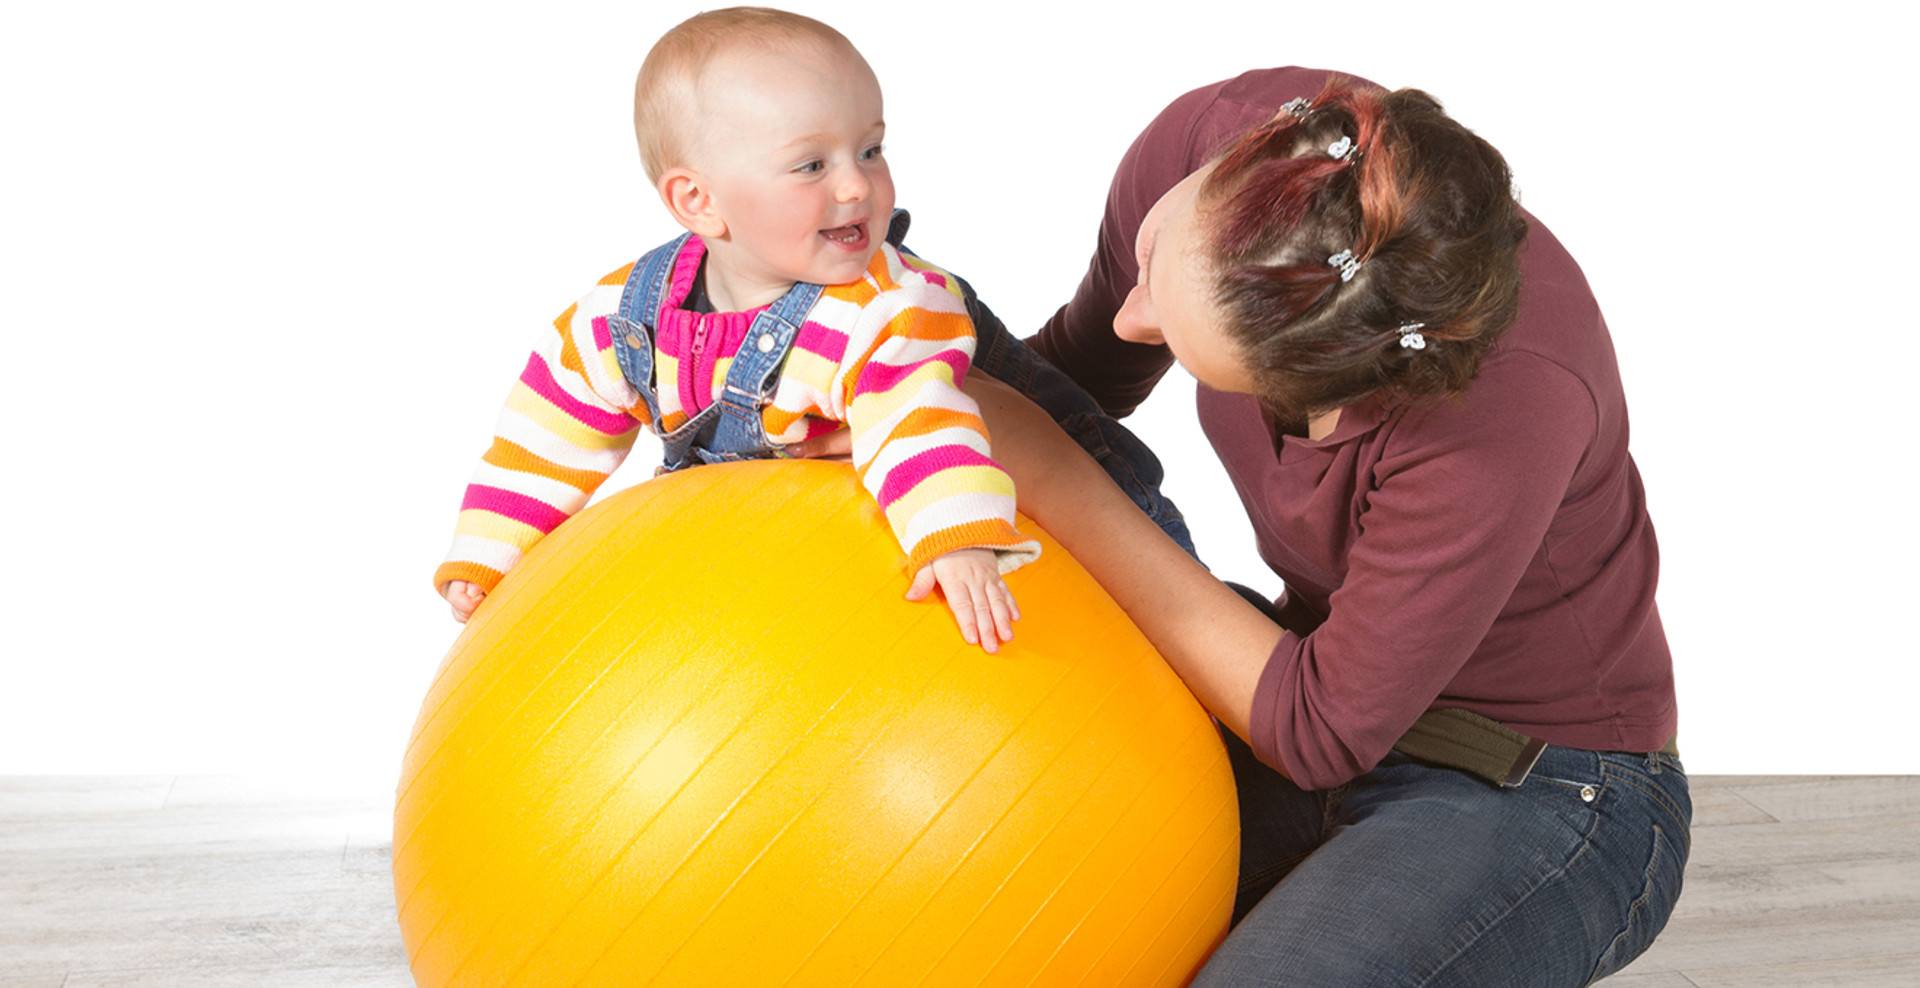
(632, 328)
(647, 285)
(754, 372)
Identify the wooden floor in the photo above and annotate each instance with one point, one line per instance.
(152, 882)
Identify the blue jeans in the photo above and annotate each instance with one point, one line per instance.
(1129, 461)
(1417, 874)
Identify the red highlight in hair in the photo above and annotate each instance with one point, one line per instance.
(1425, 206)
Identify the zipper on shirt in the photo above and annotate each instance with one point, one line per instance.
(699, 345)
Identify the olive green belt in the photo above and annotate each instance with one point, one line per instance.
(1472, 743)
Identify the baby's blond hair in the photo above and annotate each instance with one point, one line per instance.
(665, 95)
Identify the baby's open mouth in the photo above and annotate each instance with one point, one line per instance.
(852, 235)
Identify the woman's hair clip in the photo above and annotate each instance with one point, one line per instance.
(1296, 107)
(1410, 336)
(1341, 149)
(1348, 264)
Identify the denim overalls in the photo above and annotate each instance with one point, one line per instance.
(732, 428)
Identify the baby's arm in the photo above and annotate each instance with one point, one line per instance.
(566, 427)
(979, 598)
(919, 446)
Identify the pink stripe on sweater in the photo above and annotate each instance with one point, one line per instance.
(879, 378)
(519, 507)
(904, 478)
(537, 377)
(817, 339)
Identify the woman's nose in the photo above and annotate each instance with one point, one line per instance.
(1136, 321)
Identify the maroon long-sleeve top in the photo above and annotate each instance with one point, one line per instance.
(1490, 552)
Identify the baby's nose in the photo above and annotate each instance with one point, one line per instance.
(854, 186)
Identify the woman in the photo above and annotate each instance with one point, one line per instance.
(1452, 736)
(1414, 393)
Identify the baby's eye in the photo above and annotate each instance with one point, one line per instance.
(811, 166)
(872, 152)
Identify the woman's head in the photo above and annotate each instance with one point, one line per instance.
(1361, 242)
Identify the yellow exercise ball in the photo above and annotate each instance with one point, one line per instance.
(697, 737)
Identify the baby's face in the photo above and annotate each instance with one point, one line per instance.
(789, 145)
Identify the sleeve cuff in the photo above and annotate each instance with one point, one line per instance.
(486, 578)
(1013, 548)
(1266, 702)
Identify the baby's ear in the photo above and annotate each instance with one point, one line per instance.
(686, 196)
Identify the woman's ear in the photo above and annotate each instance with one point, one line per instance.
(692, 206)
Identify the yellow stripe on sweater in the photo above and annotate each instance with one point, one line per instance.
(973, 479)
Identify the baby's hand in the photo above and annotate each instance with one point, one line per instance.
(464, 597)
(835, 445)
(979, 598)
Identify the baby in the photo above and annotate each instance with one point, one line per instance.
(783, 312)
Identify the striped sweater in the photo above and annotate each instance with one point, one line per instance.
(885, 355)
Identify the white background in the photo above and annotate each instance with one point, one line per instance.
(267, 270)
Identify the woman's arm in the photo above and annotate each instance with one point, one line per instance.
(1213, 638)
(1216, 641)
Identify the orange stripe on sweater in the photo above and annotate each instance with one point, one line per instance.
(922, 421)
(776, 421)
(569, 354)
(986, 533)
(940, 325)
(513, 456)
(484, 576)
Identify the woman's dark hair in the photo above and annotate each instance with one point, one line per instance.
(1426, 208)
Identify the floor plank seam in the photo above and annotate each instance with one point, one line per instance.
(1737, 794)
